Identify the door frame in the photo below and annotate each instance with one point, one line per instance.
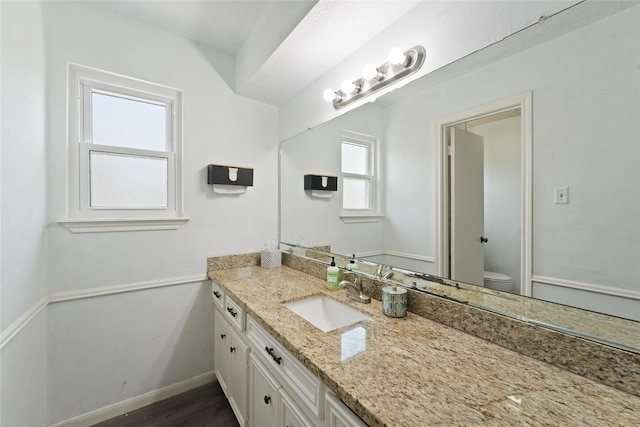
(524, 103)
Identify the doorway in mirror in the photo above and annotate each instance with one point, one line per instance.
(484, 166)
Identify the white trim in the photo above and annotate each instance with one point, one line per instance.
(137, 402)
(81, 77)
(349, 218)
(102, 225)
(411, 256)
(128, 287)
(524, 102)
(588, 287)
(373, 176)
(22, 321)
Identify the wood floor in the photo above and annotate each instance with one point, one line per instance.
(202, 406)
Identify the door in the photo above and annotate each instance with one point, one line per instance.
(221, 351)
(263, 402)
(467, 207)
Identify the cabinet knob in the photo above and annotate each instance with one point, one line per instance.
(222, 336)
(232, 349)
(267, 399)
(483, 239)
(217, 294)
(232, 311)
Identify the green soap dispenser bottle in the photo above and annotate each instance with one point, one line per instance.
(333, 274)
(352, 266)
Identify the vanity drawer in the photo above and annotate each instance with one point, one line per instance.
(234, 313)
(218, 295)
(304, 385)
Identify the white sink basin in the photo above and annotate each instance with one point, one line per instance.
(325, 313)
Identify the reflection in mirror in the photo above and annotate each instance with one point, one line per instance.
(585, 200)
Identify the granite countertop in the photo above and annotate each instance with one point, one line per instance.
(415, 372)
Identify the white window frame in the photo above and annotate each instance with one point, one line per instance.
(80, 216)
(372, 214)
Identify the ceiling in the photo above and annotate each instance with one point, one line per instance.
(279, 47)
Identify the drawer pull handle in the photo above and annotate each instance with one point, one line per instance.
(217, 294)
(222, 336)
(232, 349)
(272, 353)
(267, 399)
(232, 311)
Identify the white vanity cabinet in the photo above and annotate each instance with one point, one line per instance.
(231, 357)
(265, 384)
(299, 400)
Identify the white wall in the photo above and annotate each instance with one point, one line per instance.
(107, 349)
(23, 241)
(83, 352)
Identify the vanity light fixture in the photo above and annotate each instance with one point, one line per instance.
(400, 65)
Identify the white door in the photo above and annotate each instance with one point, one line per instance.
(263, 402)
(467, 207)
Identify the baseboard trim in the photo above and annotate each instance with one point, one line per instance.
(587, 287)
(116, 409)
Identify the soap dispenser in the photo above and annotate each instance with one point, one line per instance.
(333, 274)
(352, 266)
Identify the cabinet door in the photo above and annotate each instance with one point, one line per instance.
(221, 351)
(290, 414)
(239, 358)
(338, 415)
(263, 399)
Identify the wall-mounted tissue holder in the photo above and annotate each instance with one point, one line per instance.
(229, 179)
(321, 185)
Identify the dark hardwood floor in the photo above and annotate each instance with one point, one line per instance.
(202, 406)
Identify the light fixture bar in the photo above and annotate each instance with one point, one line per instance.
(388, 73)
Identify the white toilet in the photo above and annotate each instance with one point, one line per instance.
(497, 281)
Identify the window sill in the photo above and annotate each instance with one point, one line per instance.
(105, 225)
(353, 218)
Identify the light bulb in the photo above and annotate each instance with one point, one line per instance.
(329, 95)
(348, 87)
(370, 72)
(396, 56)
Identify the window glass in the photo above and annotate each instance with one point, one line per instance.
(355, 158)
(355, 193)
(127, 181)
(123, 122)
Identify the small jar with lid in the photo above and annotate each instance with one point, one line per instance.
(394, 301)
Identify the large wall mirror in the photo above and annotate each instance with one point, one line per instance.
(535, 140)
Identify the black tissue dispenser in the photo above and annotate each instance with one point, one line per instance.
(229, 179)
(321, 185)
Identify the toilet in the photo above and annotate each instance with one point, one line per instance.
(497, 281)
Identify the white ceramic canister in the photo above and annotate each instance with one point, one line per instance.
(394, 301)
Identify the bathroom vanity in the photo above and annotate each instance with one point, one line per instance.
(384, 371)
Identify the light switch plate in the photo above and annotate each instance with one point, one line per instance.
(561, 195)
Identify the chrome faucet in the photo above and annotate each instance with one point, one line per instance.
(387, 275)
(354, 290)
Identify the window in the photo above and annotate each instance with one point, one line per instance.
(125, 153)
(360, 198)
